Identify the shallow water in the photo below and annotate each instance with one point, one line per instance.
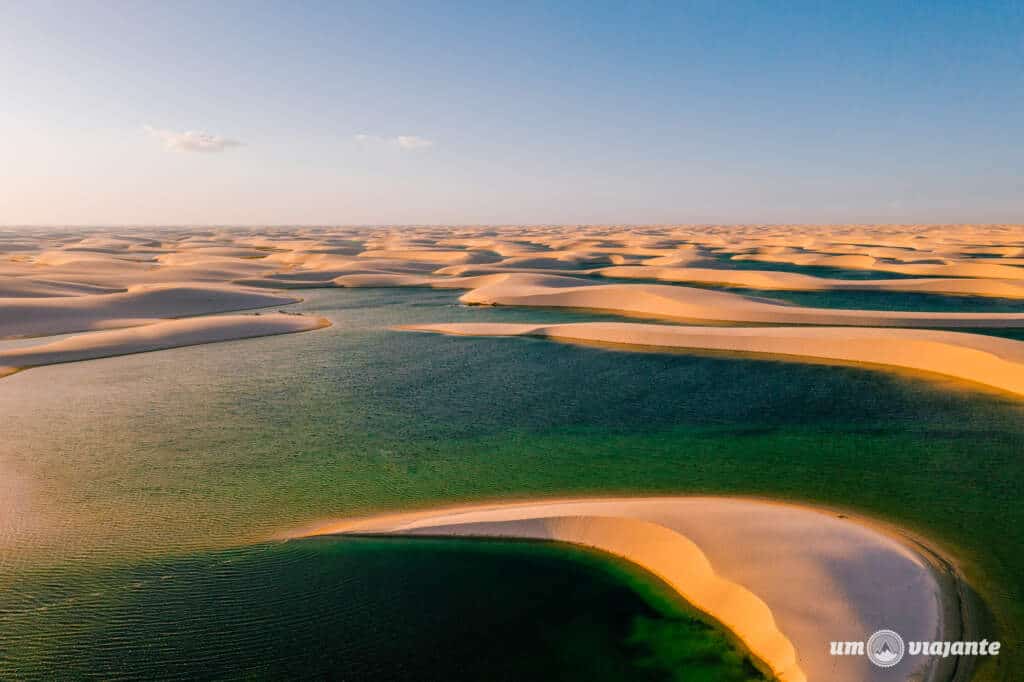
(116, 466)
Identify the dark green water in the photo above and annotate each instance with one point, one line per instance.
(117, 466)
(372, 609)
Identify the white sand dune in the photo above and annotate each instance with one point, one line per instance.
(139, 305)
(784, 579)
(793, 281)
(947, 269)
(991, 252)
(759, 279)
(63, 280)
(688, 303)
(434, 256)
(157, 336)
(382, 279)
(25, 287)
(988, 360)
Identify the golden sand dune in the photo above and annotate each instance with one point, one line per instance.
(762, 279)
(25, 287)
(992, 251)
(784, 579)
(687, 303)
(157, 336)
(951, 269)
(113, 273)
(794, 281)
(435, 256)
(139, 305)
(390, 280)
(65, 279)
(988, 360)
(85, 263)
(230, 251)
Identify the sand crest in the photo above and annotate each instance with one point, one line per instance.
(688, 303)
(156, 336)
(795, 281)
(139, 305)
(988, 360)
(785, 579)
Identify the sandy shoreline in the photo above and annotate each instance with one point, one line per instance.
(139, 305)
(993, 361)
(151, 289)
(57, 281)
(728, 556)
(190, 331)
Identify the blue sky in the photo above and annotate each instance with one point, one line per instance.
(511, 112)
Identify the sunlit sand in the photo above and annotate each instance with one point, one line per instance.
(988, 360)
(784, 579)
(155, 336)
(776, 576)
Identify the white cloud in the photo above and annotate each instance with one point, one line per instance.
(192, 140)
(401, 141)
(412, 142)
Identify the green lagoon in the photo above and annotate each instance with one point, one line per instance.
(141, 496)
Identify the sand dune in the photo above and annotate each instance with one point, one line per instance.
(988, 360)
(436, 256)
(139, 305)
(943, 252)
(63, 280)
(761, 279)
(24, 287)
(157, 336)
(784, 579)
(793, 281)
(687, 303)
(951, 269)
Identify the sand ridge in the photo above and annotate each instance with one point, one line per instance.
(156, 336)
(988, 360)
(61, 280)
(689, 303)
(733, 558)
(140, 304)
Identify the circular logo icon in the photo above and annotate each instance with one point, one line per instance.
(885, 648)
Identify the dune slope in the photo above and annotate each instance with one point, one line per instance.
(988, 360)
(678, 302)
(157, 336)
(784, 579)
(138, 305)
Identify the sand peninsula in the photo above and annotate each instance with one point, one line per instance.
(155, 336)
(783, 579)
(987, 360)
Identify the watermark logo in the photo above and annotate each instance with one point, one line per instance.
(885, 648)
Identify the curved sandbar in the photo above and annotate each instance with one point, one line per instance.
(988, 360)
(794, 281)
(679, 302)
(956, 268)
(139, 305)
(785, 579)
(157, 336)
(776, 280)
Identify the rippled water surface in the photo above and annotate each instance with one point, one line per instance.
(169, 469)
